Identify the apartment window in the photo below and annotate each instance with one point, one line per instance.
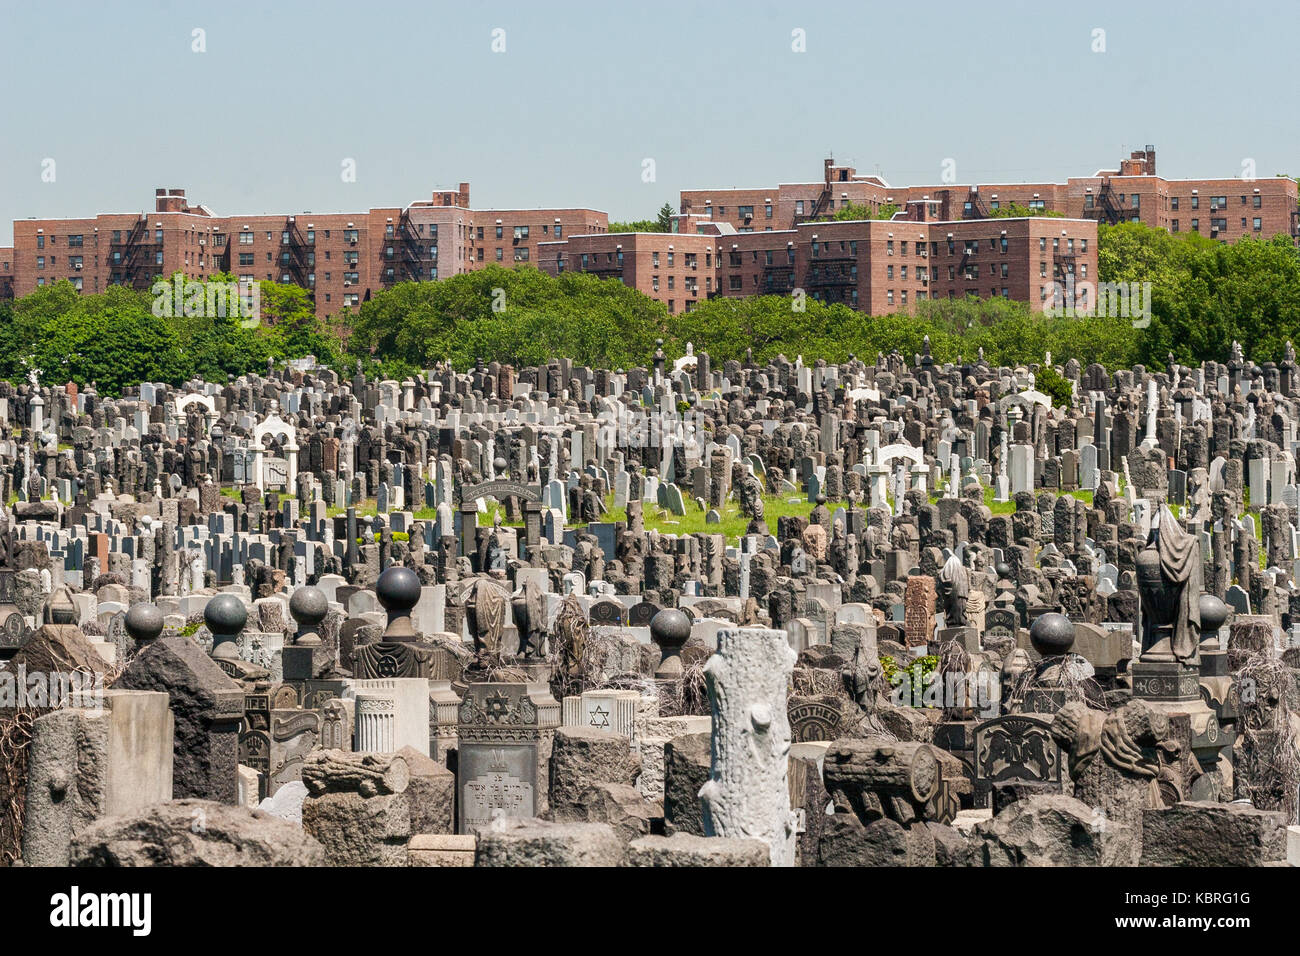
(245, 258)
(767, 211)
(284, 236)
(353, 278)
(671, 284)
(1136, 201)
(1069, 246)
(40, 242)
(722, 210)
(350, 235)
(746, 212)
(889, 296)
(76, 241)
(889, 247)
(1042, 243)
(500, 254)
(1196, 202)
(1037, 204)
(559, 231)
(245, 238)
(1088, 200)
(521, 232)
(1196, 225)
(654, 283)
(1258, 202)
(158, 258)
(904, 297)
(157, 235)
(1042, 268)
(903, 273)
(1004, 267)
(311, 237)
(735, 283)
(1258, 224)
(671, 255)
(789, 256)
(1173, 225)
(798, 207)
(1173, 203)
(40, 262)
(351, 298)
(117, 235)
(117, 258)
(1218, 202)
(654, 259)
(672, 304)
(889, 272)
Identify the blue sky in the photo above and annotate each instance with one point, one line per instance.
(585, 92)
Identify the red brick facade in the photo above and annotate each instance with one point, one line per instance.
(1222, 209)
(343, 258)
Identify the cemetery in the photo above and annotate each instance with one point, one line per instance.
(892, 612)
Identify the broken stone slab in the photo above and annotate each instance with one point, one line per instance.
(1053, 830)
(688, 849)
(532, 842)
(442, 849)
(195, 833)
(1203, 833)
(687, 760)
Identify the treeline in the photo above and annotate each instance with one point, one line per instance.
(116, 338)
(1203, 296)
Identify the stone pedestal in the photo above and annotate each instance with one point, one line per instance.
(1174, 688)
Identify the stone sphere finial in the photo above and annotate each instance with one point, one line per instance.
(670, 629)
(144, 622)
(1052, 635)
(308, 606)
(398, 590)
(1213, 613)
(225, 616)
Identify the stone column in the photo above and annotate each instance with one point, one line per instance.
(376, 720)
(747, 793)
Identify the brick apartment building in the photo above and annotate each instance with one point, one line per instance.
(343, 258)
(677, 269)
(1222, 209)
(875, 266)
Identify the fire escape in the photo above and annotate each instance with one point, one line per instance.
(410, 245)
(823, 204)
(974, 207)
(828, 273)
(296, 256)
(1105, 209)
(131, 259)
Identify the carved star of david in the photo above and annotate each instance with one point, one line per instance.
(600, 717)
(497, 706)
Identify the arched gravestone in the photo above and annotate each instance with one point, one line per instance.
(501, 489)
